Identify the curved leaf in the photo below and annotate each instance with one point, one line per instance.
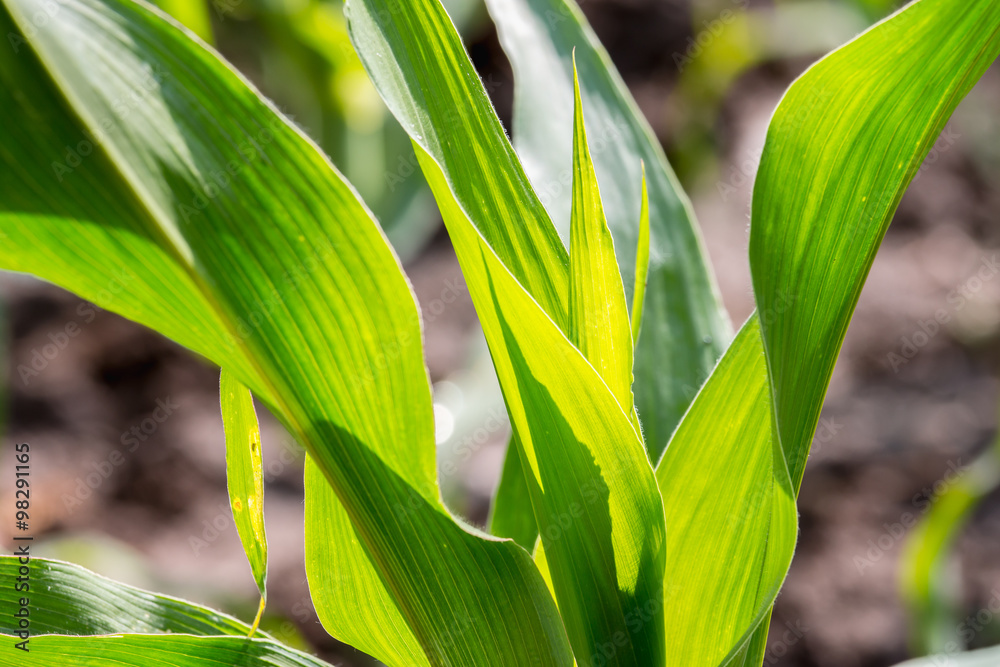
(67, 599)
(853, 129)
(245, 477)
(591, 486)
(158, 651)
(258, 255)
(685, 328)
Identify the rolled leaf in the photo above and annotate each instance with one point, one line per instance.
(245, 477)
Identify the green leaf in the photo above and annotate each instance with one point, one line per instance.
(511, 514)
(415, 57)
(853, 130)
(592, 488)
(927, 582)
(67, 599)
(684, 326)
(598, 317)
(245, 477)
(355, 607)
(590, 483)
(157, 651)
(254, 252)
(68, 605)
(641, 262)
(730, 512)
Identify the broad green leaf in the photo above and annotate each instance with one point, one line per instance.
(245, 477)
(67, 599)
(684, 327)
(256, 254)
(927, 582)
(68, 605)
(853, 130)
(156, 651)
(730, 512)
(598, 317)
(355, 607)
(592, 488)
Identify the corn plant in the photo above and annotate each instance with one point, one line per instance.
(646, 513)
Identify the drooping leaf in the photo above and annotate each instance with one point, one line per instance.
(81, 619)
(245, 477)
(130, 140)
(355, 607)
(853, 130)
(67, 599)
(157, 651)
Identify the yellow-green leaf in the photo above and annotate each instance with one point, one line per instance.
(245, 477)
(598, 316)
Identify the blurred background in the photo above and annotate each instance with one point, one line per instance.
(900, 526)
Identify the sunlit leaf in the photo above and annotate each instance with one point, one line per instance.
(245, 477)
(812, 241)
(127, 140)
(598, 317)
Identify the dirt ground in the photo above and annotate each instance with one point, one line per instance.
(893, 426)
